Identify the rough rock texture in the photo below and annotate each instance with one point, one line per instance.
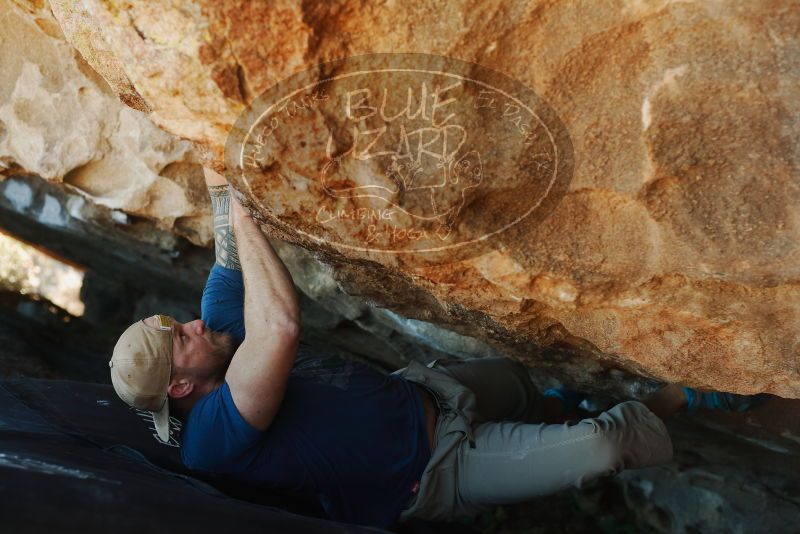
(135, 258)
(674, 253)
(730, 473)
(59, 120)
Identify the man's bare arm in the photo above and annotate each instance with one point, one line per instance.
(260, 367)
(224, 239)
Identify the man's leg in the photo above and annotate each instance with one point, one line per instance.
(668, 400)
(502, 387)
(514, 462)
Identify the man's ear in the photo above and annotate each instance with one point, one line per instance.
(179, 388)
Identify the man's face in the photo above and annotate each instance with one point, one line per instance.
(195, 348)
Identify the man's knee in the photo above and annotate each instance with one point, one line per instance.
(630, 436)
(607, 453)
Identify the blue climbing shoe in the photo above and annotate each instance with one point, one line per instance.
(716, 400)
(570, 399)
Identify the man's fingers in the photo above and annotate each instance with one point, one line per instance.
(213, 178)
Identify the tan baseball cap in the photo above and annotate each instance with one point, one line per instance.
(141, 365)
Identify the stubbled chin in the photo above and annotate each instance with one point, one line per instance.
(223, 346)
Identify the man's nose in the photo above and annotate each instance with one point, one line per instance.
(198, 326)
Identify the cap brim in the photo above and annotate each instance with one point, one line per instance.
(161, 420)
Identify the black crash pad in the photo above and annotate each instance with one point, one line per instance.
(73, 457)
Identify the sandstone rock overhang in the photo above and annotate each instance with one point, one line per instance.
(674, 252)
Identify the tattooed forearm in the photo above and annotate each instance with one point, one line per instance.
(224, 238)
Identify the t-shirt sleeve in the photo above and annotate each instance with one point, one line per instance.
(222, 305)
(216, 438)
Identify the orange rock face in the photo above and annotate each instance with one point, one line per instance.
(671, 244)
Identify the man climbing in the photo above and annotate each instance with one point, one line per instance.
(437, 442)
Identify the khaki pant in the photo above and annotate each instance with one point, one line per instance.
(490, 450)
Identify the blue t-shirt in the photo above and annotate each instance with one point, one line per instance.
(351, 436)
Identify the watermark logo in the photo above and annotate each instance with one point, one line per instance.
(409, 154)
